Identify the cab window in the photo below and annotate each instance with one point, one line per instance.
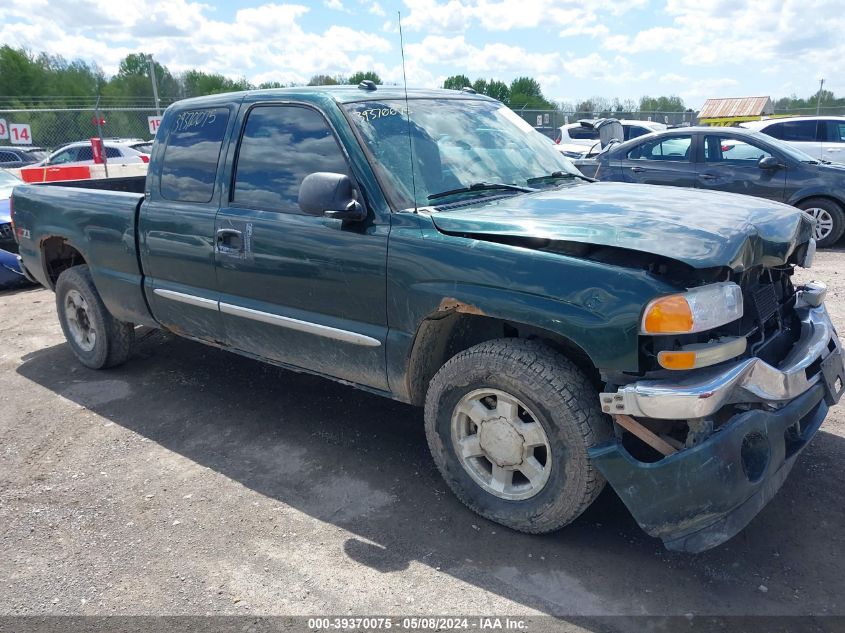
(280, 146)
(189, 168)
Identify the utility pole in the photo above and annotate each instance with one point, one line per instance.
(155, 85)
(99, 123)
(819, 98)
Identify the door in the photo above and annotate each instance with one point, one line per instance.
(665, 160)
(833, 147)
(733, 164)
(298, 289)
(176, 225)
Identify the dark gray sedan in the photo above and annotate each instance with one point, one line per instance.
(738, 161)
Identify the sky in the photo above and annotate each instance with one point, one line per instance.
(576, 48)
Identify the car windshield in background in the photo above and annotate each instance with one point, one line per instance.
(458, 144)
(7, 182)
(785, 148)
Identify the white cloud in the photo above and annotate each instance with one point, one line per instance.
(375, 9)
(258, 38)
(790, 37)
(334, 5)
(567, 17)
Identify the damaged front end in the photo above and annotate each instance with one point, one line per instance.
(698, 453)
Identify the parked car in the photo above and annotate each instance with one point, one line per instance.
(12, 157)
(822, 137)
(80, 153)
(738, 161)
(560, 332)
(11, 275)
(145, 147)
(581, 139)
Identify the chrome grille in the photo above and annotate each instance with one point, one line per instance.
(6, 232)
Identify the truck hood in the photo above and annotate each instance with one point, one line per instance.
(702, 229)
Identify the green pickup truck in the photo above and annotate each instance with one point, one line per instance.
(560, 333)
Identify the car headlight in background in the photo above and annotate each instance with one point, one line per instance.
(696, 310)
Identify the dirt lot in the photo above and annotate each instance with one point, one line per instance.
(193, 481)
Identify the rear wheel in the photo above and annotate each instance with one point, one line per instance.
(830, 220)
(509, 423)
(96, 338)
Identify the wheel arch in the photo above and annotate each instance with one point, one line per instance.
(806, 194)
(57, 255)
(439, 337)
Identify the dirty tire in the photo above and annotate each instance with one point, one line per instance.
(113, 338)
(561, 399)
(837, 215)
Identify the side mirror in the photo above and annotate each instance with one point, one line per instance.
(769, 162)
(330, 195)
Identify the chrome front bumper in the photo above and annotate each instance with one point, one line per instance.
(700, 393)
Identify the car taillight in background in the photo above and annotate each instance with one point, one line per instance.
(145, 158)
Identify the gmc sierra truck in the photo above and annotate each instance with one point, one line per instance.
(433, 248)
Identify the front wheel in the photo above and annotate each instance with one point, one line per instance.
(509, 423)
(96, 338)
(829, 217)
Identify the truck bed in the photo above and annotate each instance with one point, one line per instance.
(95, 220)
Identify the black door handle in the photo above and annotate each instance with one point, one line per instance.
(637, 169)
(707, 176)
(230, 241)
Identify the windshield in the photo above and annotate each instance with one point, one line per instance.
(457, 143)
(7, 181)
(785, 148)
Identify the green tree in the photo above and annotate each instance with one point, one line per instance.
(456, 82)
(662, 104)
(526, 93)
(133, 80)
(498, 90)
(326, 80)
(196, 83)
(363, 75)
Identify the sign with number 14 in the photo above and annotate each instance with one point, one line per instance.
(20, 134)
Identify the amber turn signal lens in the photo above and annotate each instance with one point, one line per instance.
(676, 360)
(668, 315)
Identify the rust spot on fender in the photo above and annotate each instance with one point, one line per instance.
(450, 304)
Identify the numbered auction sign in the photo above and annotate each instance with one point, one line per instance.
(154, 122)
(20, 134)
(4, 129)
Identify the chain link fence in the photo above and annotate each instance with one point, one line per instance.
(50, 128)
(547, 121)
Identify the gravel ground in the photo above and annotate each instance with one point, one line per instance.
(193, 481)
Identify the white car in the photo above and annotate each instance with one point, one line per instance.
(821, 137)
(118, 152)
(577, 140)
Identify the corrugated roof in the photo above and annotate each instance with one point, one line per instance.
(735, 107)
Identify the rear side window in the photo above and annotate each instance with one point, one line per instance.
(281, 145)
(633, 131)
(189, 167)
(8, 157)
(835, 131)
(801, 131)
(676, 148)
